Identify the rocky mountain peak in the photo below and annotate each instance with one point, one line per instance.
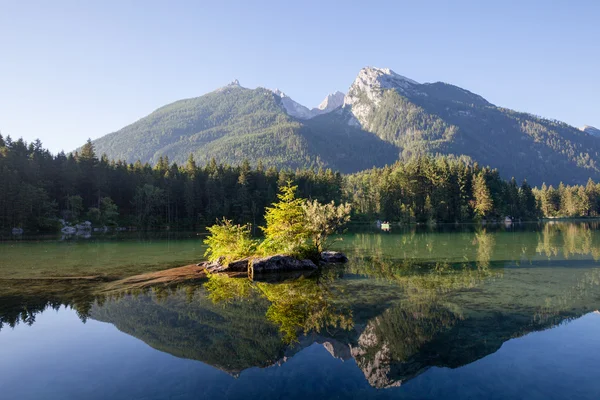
(279, 93)
(367, 91)
(297, 110)
(381, 78)
(233, 85)
(332, 101)
(292, 107)
(591, 130)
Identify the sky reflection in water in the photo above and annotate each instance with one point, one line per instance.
(481, 314)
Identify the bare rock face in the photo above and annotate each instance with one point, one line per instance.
(333, 257)
(292, 107)
(591, 130)
(332, 102)
(280, 262)
(373, 356)
(367, 91)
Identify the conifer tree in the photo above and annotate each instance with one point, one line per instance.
(527, 202)
(286, 229)
(482, 199)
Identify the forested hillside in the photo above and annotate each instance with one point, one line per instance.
(385, 117)
(233, 124)
(442, 119)
(37, 189)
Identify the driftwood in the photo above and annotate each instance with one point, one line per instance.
(173, 276)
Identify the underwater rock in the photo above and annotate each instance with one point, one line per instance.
(333, 257)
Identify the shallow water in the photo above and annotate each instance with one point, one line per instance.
(447, 312)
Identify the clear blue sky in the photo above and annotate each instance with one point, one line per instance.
(70, 70)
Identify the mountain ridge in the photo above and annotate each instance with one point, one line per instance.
(234, 123)
(591, 130)
(383, 117)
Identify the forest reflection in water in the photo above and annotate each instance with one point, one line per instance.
(403, 304)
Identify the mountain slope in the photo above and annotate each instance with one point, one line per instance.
(383, 117)
(439, 118)
(234, 123)
(591, 130)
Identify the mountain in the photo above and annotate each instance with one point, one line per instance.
(591, 130)
(468, 318)
(439, 118)
(234, 123)
(297, 110)
(331, 102)
(383, 117)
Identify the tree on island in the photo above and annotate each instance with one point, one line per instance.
(294, 226)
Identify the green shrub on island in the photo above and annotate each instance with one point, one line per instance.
(228, 242)
(324, 220)
(296, 227)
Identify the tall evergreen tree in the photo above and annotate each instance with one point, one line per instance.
(482, 199)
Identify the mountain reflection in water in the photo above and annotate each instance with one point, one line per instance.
(396, 317)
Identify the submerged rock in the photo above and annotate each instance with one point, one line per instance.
(280, 262)
(333, 257)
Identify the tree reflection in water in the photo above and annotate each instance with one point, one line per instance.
(300, 305)
(438, 304)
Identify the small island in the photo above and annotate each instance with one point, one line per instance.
(295, 238)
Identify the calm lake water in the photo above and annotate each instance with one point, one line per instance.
(420, 313)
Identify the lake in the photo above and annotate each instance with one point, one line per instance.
(469, 312)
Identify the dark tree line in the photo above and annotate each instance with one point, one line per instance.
(38, 188)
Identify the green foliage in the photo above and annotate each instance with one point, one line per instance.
(106, 215)
(74, 208)
(567, 201)
(235, 123)
(426, 189)
(147, 203)
(287, 229)
(304, 305)
(441, 119)
(323, 220)
(87, 153)
(291, 222)
(300, 305)
(37, 188)
(223, 289)
(228, 242)
(482, 199)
